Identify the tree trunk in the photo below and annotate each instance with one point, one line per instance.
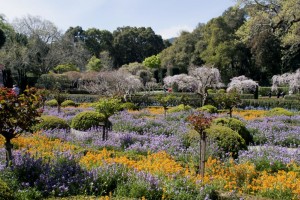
(202, 154)
(230, 112)
(58, 108)
(8, 148)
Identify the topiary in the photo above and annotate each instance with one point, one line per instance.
(237, 126)
(51, 103)
(227, 139)
(208, 108)
(5, 192)
(128, 106)
(68, 103)
(179, 108)
(51, 122)
(86, 120)
(279, 111)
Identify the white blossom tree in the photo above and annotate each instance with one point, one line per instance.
(287, 79)
(206, 77)
(242, 84)
(110, 83)
(184, 82)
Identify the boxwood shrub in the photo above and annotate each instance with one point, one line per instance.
(86, 120)
(51, 103)
(49, 122)
(208, 108)
(227, 139)
(278, 112)
(68, 103)
(237, 126)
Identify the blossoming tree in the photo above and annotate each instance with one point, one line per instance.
(242, 84)
(206, 77)
(287, 79)
(184, 82)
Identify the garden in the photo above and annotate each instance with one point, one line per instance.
(149, 153)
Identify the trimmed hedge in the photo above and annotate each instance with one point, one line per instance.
(268, 103)
(86, 120)
(81, 98)
(145, 100)
(264, 91)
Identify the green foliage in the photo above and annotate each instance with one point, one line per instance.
(86, 120)
(237, 126)
(108, 107)
(137, 188)
(152, 62)
(132, 44)
(278, 112)
(227, 139)
(68, 103)
(179, 108)
(51, 122)
(94, 64)
(5, 192)
(128, 106)
(51, 103)
(166, 100)
(208, 108)
(264, 91)
(228, 100)
(65, 68)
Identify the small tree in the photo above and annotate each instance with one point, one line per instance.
(200, 122)
(228, 100)
(108, 107)
(94, 64)
(17, 115)
(165, 101)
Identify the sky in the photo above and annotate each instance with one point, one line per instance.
(166, 17)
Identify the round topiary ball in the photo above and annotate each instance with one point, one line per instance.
(208, 108)
(5, 192)
(128, 106)
(86, 120)
(278, 112)
(237, 126)
(227, 139)
(51, 103)
(179, 108)
(49, 122)
(68, 103)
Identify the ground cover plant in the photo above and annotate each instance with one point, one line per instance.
(147, 155)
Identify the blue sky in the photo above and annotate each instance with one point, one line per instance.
(165, 17)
